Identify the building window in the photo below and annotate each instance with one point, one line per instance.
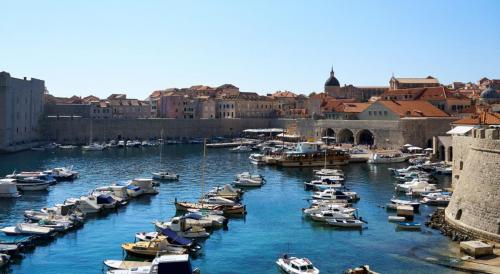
(461, 165)
(369, 113)
(385, 112)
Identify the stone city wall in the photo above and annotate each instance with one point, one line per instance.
(475, 204)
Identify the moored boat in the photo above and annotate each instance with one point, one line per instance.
(8, 188)
(296, 265)
(346, 223)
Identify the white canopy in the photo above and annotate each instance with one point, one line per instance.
(428, 149)
(460, 130)
(408, 145)
(414, 148)
(264, 130)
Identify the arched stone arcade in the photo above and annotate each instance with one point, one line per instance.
(345, 136)
(365, 137)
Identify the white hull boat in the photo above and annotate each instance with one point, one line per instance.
(8, 188)
(147, 185)
(93, 147)
(295, 265)
(27, 229)
(217, 200)
(386, 159)
(165, 176)
(33, 186)
(347, 223)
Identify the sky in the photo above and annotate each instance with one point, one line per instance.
(136, 47)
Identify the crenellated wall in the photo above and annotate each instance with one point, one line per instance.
(475, 204)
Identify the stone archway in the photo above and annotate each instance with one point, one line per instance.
(329, 136)
(345, 136)
(365, 137)
(329, 132)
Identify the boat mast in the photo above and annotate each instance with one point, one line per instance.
(90, 137)
(203, 169)
(161, 144)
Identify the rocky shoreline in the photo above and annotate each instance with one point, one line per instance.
(437, 221)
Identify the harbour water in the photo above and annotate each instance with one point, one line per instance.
(274, 223)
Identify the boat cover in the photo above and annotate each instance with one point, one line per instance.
(175, 238)
(193, 215)
(105, 199)
(134, 188)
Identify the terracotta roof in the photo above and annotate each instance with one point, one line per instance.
(330, 104)
(427, 80)
(321, 95)
(286, 93)
(483, 118)
(352, 107)
(415, 108)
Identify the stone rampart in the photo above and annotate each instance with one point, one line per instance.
(475, 204)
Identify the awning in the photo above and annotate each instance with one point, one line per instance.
(460, 130)
(414, 148)
(264, 130)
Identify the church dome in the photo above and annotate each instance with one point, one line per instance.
(489, 93)
(332, 81)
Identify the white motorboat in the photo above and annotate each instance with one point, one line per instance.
(329, 172)
(227, 191)
(67, 147)
(396, 202)
(325, 183)
(241, 148)
(217, 200)
(248, 182)
(248, 175)
(413, 184)
(341, 208)
(396, 218)
(333, 194)
(32, 184)
(145, 184)
(330, 214)
(86, 204)
(179, 225)
(8, 188)
(257, 159)
(121, 144)
(27, 229)
(295, 265)
(387, 158)
(93, 147)
(437, 199)
(118, 192)
(347, 223)
(165, 175)
(62, 173)
(178, 264)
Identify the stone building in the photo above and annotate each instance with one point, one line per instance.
(402, 83)
(332, 85)
(21, 109)
(359, 93)
(474, 208)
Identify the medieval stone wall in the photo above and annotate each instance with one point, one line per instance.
(475, 204)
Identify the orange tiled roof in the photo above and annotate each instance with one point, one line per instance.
(352, 107)
(415, 108)
(483, 118)
(285, 93)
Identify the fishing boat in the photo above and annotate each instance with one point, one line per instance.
(8, 188)
(378, 158)
(62, 173)
(152, 248)
(180, 226)
(346, 223)
(295, 265)
(310, 154)
(409, 225)
(163, 264)
(27, 229)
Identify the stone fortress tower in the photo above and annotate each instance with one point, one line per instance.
(474, 208)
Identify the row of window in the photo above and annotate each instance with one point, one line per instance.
(375, 113)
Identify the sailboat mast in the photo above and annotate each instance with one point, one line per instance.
(161, 144)
(90, 137)
(203, 167)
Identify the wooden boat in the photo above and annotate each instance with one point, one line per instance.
(152, 248)
(295, 265)
(173, 239)
(409, 225)
(228, 210)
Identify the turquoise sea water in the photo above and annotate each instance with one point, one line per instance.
(274, 224)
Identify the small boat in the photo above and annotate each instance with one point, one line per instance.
(387, 158)
(4, 260)
(165, 175)
(257, 159)
(436, 199)
(395, 202)
(333, 194)
(146, 185)
(8, 188)
(217, 200)
(347, 223)
(11, 248)
(326, 215)
(152, 248)
(27, 229)
(414, 184)
(364, 269)
(180, 226)
(227, 191)
(32, 184)
(178, 264)
(62, 173)
(329, 172)
(241, 148)
(86, 204)
(67, 147)
(236, 210)
(106, 201)
(295, 265)
(93, 147)
(341, 208)
(121, 144)
(396, 219)
(323, 183)
(409, 225)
